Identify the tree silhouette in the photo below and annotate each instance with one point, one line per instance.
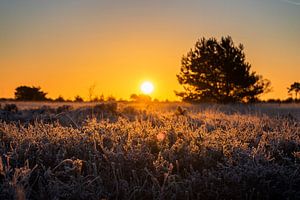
(25, 93)
(216, 71)
(59, 99)
(295, 87)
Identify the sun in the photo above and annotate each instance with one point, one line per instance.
(147, 87)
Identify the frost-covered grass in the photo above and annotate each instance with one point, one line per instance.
(153, 151)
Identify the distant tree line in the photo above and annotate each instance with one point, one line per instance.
(27, 93)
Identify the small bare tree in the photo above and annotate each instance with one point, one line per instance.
(92, 91)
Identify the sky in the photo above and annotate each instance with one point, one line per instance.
(67, 46)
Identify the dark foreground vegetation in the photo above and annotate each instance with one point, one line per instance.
(154, 151)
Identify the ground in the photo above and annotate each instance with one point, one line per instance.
(149, 151)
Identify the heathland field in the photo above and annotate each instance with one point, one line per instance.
(149, 151)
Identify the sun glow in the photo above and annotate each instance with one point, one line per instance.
(147, 87)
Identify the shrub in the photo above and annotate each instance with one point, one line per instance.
(106, 107)
(11, 108)
(63, 108)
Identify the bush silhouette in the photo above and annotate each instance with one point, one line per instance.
(11, 108)
(25, 93)
(60, 99)
(140, 98)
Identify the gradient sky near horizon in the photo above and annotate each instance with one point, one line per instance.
(66, 46)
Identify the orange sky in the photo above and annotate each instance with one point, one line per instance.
(66, 46)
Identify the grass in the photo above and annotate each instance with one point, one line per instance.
(153, 151)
